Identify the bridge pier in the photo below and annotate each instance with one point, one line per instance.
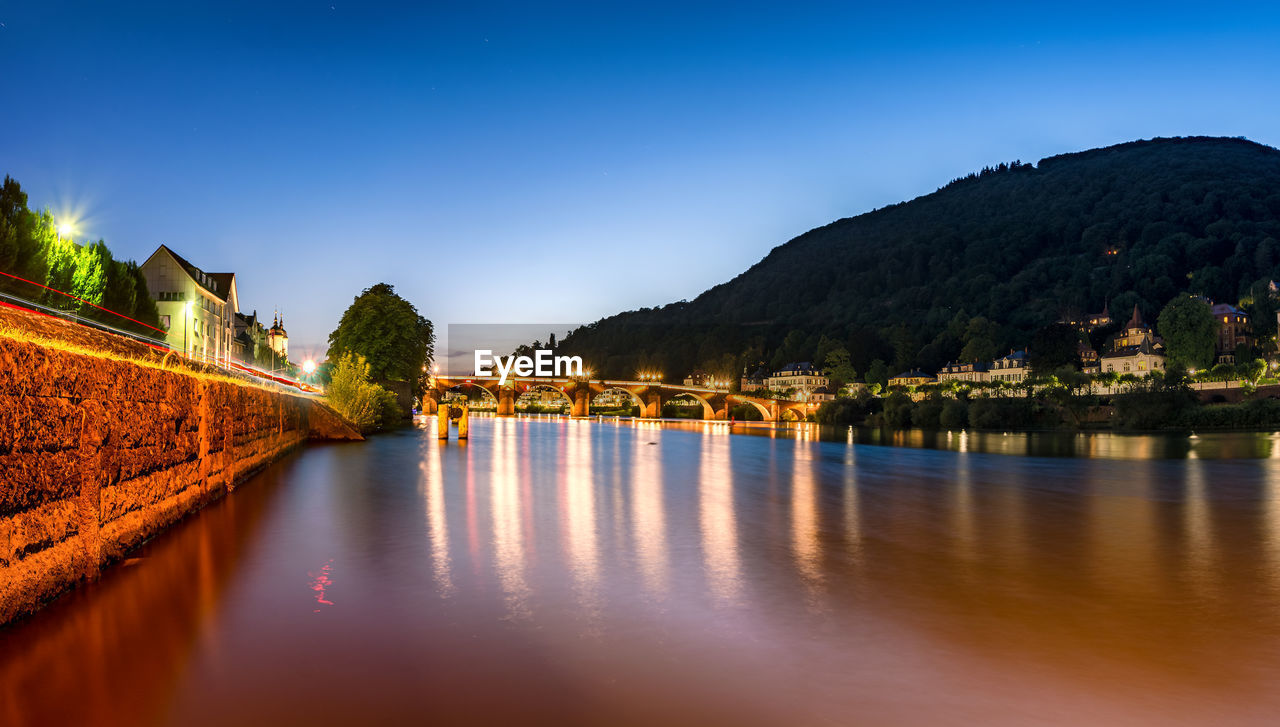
(506, 401)
(581, 403)
(431, 402)
(652, 408)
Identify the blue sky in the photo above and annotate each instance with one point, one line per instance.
(554, 162)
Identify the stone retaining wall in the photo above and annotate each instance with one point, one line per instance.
(99, 454)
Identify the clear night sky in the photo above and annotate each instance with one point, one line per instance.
(524, 164)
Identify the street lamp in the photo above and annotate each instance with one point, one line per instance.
(308, 367)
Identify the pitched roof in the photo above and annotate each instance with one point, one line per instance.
(913, 374)
(224, 281)
(1147, 346)
(197, 275)
(1136, 320)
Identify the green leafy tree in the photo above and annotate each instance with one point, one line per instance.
(89, 280)
(1189, 330)
(1223, 372)
(21, 252)
(388, 331)
(351, 394)
(62, 262)
(878, 374)
(1253, 370)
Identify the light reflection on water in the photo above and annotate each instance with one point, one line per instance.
(577, 572)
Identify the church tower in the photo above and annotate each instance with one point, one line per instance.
(277, 338)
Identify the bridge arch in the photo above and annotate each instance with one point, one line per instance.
(765, 414)
(467, 388)
(793, 413)
(708, 411)
(633, 396)
(529, 388)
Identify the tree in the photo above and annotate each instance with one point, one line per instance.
(1223, 372)
(361, 402)
(20, 250)
(1053, 347)
(878, 374)
(1189, 330)
(61, 256)
(388, 331)
(839, 369)
(1254, 370)
(89, 281)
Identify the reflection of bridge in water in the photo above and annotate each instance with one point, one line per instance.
(649, 396)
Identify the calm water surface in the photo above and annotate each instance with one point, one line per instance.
(573, 572)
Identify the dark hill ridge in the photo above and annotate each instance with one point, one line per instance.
(1021, 245)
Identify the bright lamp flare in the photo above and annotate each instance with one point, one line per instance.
(308, 367)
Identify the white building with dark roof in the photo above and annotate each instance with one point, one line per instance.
(801, 377)
(1134, 350)
(1011, 369)
(196, 308)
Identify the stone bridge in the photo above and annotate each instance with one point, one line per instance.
(649, 396)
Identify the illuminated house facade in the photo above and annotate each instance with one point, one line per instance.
(1011, 369)
(1234, 331)
(801, 377)
(971, 372)
(753, 379)
(911, 378)
(196, 308)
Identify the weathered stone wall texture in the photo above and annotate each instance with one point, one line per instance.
(99, 454)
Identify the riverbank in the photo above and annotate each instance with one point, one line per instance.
(107, 443)
(1146, 406)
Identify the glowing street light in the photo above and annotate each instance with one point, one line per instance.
(308, 367)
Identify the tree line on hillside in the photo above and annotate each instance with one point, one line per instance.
(980, 266)
(31, 248)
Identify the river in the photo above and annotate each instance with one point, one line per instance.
(552, 571)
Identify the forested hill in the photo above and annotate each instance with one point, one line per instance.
(1018, 244)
